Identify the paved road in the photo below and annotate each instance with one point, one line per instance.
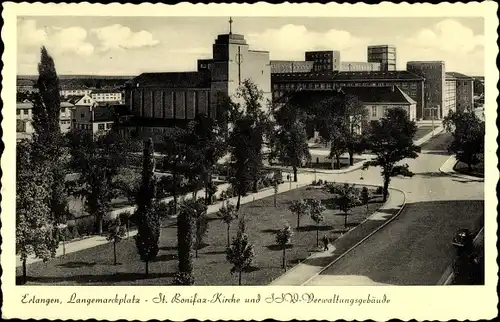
(415, 249)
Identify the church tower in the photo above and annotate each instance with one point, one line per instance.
(233, 63)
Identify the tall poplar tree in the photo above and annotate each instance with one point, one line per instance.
(47, 139)
(147, 218)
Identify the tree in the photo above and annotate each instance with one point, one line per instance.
(47, 139)
(241, 157)
(355, 115)
(185, 238)
(116, 233)
(391, 140)
(300, 208)
(228, 214)
(291, 146)
(34, 226)
(347, 198)
(201, 224)
(288, 137)
(98, 160)
(283, 238)
(128, 182)
(253, 112)
(365, 197)
(241, 253)
(174, 151)
(468, 136)
(147, 218)
(316, 212)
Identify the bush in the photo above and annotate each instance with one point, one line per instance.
(379, 190)
(75, 233)
(183, 278)
(162, 210)
(314, 183)
(325, 183)
(214, 199)
(320, 182)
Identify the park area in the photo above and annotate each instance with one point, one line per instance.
(94, 266)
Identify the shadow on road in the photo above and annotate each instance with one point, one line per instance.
(414, 249)
(104, 279)
(77, 264)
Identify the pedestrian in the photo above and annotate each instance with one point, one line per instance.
(288, 177)
(325, 242)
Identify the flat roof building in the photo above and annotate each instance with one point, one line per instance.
(383, 54)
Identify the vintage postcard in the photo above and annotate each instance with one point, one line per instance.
(230, 161)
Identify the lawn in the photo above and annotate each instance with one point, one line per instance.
(422, 131)
(94, 266)
(477, 170)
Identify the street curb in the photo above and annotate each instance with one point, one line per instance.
(448, 274)
(357, 244)
(362, 240)
(453, 173)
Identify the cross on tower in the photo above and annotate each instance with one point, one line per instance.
(230, 26)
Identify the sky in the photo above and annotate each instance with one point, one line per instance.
(132, 45)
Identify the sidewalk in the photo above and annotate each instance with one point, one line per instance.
(94, 241)
(448, 166)
(429, 136)
(317, 262)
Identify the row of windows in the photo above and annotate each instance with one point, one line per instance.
(412, 86)
(100, 127)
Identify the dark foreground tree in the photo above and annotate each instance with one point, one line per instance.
(241, 252)
(283, 238)
(186, 225)
(468, 136)
(201, 224)
(147, 218)
(47, 139)
(365, 197)
(34, 227)
(391, 140)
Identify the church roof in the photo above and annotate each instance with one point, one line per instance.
(201, 79)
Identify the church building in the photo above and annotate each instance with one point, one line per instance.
(160, 100)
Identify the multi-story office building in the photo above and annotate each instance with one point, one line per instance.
(324, 60)
(383, 54)
(464, 90)
(355, 66)
(435, 90)
(411, 84)
(291, 66)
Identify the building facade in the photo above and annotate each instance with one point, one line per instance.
(74, 91)
(435, 87)
(94, 119)
(159, 100)
(411, 84)
(354, 66)
(383, 54)
(291, 66)
(106, 95)
(24, 117)
(464, 90)
(324, 60)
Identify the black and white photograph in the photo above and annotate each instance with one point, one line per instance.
(243, 150)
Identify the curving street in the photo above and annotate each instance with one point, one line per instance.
(414, 249)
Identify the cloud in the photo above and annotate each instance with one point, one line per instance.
(449, 36)
(291, 41)
(57, 40)
(29, 35)
(121, 37)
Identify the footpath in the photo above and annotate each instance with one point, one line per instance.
(305, 178)
(318, 262)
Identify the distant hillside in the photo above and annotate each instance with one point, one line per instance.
(81, 81)
(79, 77)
